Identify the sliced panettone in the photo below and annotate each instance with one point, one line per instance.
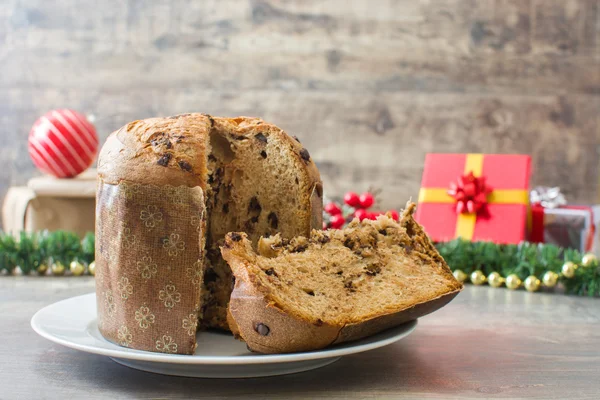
(335, 286)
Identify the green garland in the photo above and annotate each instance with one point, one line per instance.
(475, 259)
(32, 250)
(526, 260)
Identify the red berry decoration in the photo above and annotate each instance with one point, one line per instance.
(374, 215)
(63, 143)
(366, 200)
(394, 215)
(361, 214)
(337, 221)
(332, 209)
(352, 199)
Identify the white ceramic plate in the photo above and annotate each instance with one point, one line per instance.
(72, 323)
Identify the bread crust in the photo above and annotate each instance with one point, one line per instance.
(251, 304)
(370, 327)
(136, 153)
(158, 151)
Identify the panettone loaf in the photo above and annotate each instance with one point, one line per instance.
(169, 190)
(334, 286)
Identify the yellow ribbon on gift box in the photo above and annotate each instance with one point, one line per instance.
(465, 222)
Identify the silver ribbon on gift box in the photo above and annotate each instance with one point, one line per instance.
(547, 197)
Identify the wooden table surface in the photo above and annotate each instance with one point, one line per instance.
(487, 343)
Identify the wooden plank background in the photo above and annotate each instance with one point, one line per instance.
(368, 86)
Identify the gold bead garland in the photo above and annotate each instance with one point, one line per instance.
(92, 268)
(477, 278)
(458, 274)
(58, 268)
(568, 269)
(532, 283)
(550, 279)
(589, 260)
(495, 279)
(42, 269)
(513, 282)
(76, 268)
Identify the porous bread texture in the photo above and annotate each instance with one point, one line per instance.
(260, 181)
(255, 178)
(336, 285)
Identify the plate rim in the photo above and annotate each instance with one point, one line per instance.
(349, 348)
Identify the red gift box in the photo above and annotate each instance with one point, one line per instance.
(475, 196)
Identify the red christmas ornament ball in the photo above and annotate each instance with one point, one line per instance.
(394, 215)
(63, 143)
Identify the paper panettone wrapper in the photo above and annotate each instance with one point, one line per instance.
(149, 269)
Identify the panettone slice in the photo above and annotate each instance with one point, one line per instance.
(335, 286)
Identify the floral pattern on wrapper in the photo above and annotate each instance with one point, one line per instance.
(149, 269)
